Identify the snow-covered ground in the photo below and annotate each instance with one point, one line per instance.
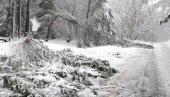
(142, 71)
(128, 83)
(144, 76)
(162, 51)
(117, 56)
(131, 62)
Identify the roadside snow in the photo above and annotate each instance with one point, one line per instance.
(62, 69)
(142, 42)
(4, 48)
(162, 52)
(117, 56)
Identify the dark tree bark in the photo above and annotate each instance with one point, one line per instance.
(86, 37)
(3, 40)
(14, 18)
(10, 11)
(48, 33)
(19, 18)
(27, 24)
(88, 10)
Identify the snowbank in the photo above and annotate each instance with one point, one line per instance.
(31, 69)
(117, 56)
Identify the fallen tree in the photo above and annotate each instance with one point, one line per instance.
(3, 40)
(128, 43)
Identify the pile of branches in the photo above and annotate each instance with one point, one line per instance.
(32, 50)
(103, 66)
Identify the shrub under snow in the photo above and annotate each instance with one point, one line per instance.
(32, 70)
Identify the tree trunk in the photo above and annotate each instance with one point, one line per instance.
(48, 32)
(86, 39)
(19, 18)
(88, 10)
(8, 16)
(27, 24)
(13, 16)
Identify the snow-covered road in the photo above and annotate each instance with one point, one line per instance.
(133, 79)
(163, 60)
(146, 75)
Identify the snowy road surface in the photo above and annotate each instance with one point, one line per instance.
(146, 75)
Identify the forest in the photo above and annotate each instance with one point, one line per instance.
(89, 22)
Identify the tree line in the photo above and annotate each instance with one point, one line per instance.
(90, 22)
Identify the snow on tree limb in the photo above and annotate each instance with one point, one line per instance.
(165, 20)
(64, 15)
